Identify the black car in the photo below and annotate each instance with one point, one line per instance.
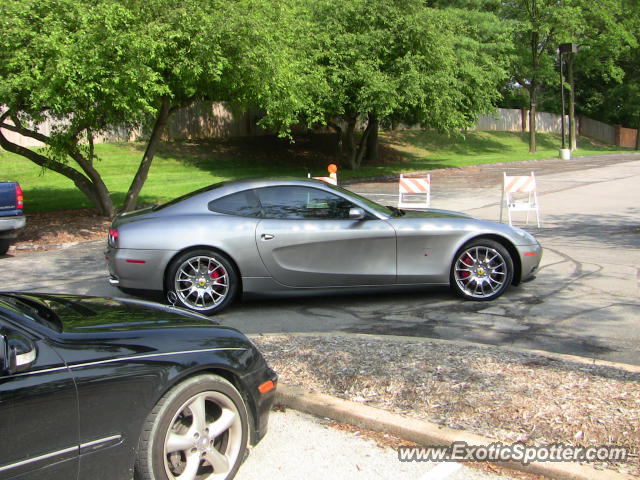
(102, 389)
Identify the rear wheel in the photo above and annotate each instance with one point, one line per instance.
(481, 270)
(197, 431)
(202, 280)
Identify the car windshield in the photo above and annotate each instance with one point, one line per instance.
(384, 210)
(33, 310)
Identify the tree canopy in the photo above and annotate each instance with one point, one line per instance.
(95, 64)
(386, 60)
(540, 26)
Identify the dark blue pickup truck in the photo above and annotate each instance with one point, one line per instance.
(11, 213)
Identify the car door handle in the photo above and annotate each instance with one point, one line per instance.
(267, 236)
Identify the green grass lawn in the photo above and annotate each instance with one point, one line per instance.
(180, 167)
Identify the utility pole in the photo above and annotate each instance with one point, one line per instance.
(568, 48)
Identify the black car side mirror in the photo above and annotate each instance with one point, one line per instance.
(17, 353)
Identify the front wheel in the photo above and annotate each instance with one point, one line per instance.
(481, 270)
(202, 280)
(197, 431)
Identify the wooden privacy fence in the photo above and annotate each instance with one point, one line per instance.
(220, 120)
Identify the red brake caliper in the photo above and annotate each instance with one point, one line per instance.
(466, 259)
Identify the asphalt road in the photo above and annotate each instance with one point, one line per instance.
(584, 301)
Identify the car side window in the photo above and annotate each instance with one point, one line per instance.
(244, 204)
(302, 203)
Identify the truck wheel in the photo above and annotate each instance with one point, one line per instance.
(4, 245)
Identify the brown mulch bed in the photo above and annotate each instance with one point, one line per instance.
(502, 394)
(48, 230)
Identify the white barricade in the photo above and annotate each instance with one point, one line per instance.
(414, 192)
(520, 194)
(332, 178)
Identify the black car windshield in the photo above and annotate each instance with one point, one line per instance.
(33, 310)
(382, 209)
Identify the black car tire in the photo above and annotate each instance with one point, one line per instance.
(481, 270)
(210, 303)
(4, 245)
(168, 421)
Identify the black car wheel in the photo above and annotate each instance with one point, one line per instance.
(197, 431)
(4, 246)
(481, 270)
(202, 280)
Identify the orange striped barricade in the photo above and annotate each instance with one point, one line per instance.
(519, 194)
(414, 192)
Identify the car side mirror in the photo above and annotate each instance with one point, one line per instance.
(17, 352)
(356, 213)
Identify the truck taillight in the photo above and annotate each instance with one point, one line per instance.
(19, 197)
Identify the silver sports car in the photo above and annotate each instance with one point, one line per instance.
(281, 235)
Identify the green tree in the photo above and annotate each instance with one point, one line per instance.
(92, 65)
(384, 61)
(185, 55)
(76, 64)
(541, 25)
(611, 93)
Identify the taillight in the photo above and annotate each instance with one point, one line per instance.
(19, 197)
(113, 236)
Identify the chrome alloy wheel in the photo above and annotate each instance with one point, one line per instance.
(480, 271)
(204, 438)
(201, 282)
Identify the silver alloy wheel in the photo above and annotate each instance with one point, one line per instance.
(201, 282)
(204, 438)
(480, 272)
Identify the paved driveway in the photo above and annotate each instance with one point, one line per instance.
(299, 446)
(585, 300)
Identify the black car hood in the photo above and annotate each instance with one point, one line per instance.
(78, 314)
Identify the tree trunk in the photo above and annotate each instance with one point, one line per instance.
(103, 199)
(533, 88)
(145, 164)
(349, 142)
(355, 159)
(372, 139)
(339, 136)
(572, 106)
(99, 198)
(532, 121)
(105, 204)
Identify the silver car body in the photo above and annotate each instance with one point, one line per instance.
(285, 255)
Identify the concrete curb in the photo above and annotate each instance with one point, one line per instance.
(421, 432)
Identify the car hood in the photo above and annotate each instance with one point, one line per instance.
(433, 213)
(71, 314)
